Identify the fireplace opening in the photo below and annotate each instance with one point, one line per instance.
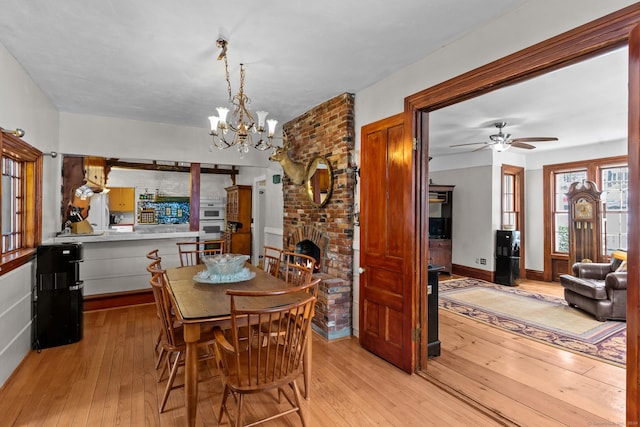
(307, 247)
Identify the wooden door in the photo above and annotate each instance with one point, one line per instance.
(633, 254)
(387, 314)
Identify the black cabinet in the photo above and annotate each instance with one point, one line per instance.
(440, 225)
(507, 257)
(433, 341)
(57, 296)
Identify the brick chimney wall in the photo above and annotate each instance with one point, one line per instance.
(326, 130)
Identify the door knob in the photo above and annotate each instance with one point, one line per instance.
(360, 270)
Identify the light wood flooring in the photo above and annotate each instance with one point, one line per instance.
(108, 379)
(529, 383)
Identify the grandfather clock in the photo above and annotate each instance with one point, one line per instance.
(586, 223)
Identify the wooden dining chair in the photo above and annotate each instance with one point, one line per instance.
(271, 259)
(311, 287)
(298, 268)
(173, 339)
(254, 368)
(154, 255)
(190, 252)
(156, 266)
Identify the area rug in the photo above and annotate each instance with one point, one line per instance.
(544, 318)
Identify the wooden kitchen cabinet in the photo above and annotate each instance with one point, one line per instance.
(237, 243)
(238, 216)
(122, 199)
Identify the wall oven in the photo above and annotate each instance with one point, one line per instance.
(212, 224)
(212, 209)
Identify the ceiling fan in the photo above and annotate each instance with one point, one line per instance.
(503, 141)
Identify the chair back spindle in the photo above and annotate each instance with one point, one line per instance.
(298, 269)
(271, 259)
(191, 252)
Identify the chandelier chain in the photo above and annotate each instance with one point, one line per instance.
(226, 69)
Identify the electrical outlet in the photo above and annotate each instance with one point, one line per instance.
(483, 261)
(477, 260)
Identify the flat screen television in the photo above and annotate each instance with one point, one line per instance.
(438, 228)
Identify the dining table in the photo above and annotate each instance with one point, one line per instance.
(197, 303)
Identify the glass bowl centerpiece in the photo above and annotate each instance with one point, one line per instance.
(224, 263)
(224, 268)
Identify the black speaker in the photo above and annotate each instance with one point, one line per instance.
(507, 270)
(507, 257)
(507, 243)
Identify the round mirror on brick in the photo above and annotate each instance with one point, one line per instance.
(319, 181)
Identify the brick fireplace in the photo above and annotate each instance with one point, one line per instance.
(326, 130)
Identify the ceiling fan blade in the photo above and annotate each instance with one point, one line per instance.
(518, 144)
(482, 148)
(468, 143)
(535, 139)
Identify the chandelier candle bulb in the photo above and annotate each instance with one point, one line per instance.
(262, 115)
(272, 126)
(222, 116)
(214, 124)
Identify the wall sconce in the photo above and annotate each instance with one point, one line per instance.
(16, 132)
(353, 165)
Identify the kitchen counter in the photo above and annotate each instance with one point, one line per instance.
(115, 262)
(112, 236)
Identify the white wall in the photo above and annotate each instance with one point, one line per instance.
(23, 105)
(130, 139)
(472, 237)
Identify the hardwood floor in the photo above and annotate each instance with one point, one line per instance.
(527, 382)
(108, 379)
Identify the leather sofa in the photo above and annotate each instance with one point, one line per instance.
(597, 289)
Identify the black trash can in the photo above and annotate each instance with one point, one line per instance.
(57, 296)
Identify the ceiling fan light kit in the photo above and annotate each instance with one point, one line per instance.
(502, 141)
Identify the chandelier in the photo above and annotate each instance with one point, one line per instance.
(237, 131)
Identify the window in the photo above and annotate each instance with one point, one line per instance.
(509, 201)
(512, 194)
(615, 183)
(12, 198)
(562, 182)
(611, 176)
(21, 191)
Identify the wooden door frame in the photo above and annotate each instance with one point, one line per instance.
(518, 171)
(604, 34)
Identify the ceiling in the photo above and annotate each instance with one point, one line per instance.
(585, 103)
(155, 60)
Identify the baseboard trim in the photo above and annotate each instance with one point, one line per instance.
(117, 299)
(476, 273)
(534, 275)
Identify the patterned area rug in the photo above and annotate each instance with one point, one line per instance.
(543, 318)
